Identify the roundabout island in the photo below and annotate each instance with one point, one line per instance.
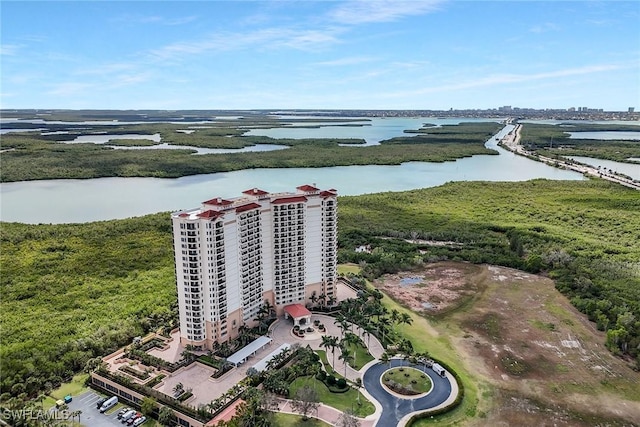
(398, 408)
(393, 407)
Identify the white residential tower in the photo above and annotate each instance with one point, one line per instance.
(232, 255)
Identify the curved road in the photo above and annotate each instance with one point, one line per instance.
(395, 408)
(512, 143)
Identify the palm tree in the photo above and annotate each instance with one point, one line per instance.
(342, 323)
(178, 388)
(323, 298)
(314, 298)
(331, 301)
(333, 343)
(384, 358)
(166, 417)
(187, 354)
(406, 348)
(346, 358)
(40, 399)
(269, 308)
(405, 318)
(326, 342)
(383, 322)
(350, 339)
(395, 315)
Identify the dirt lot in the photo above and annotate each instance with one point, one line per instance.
(545, 362)
(436, 289)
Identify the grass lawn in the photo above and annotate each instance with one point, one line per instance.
(405, 378)
(341, 401)
(290, 420)
(424, 337)
(362, 356)
(327, 365)
(74, 388)
(348, 268)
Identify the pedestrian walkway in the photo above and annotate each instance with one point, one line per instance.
(325, 413)
(281, 332)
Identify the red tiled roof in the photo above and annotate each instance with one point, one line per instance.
(255, 192)
(210, 214)
(326, 194)
(307, 187)
(297, 310)
(218, 201)
(291, 199)
(248, 207)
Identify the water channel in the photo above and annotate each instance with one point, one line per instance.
(73, 200)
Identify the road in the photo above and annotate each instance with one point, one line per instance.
(511, 142)
(395, 408)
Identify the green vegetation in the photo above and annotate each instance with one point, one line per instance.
(341, 401)
(71, 293)
(584, 234)
(290, 420)
(132, 142)
(463, 132)
(34, 156)
(408, 381)
(362, 356)
(63, 285)
(552, 141)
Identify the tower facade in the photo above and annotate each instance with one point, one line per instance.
(233, 255)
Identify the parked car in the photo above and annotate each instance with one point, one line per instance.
(139, 421)
(100, 402)
(123, 411)
(129, 414)
(131, 420)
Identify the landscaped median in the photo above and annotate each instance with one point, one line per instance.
(343, 401)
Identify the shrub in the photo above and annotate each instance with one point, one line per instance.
(185, 396)
(341, 382)
(331, 380)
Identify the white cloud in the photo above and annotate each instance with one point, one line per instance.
(364, 11)
(155, 19)
(9, 49)
(69, 89)
(265, 38)
(502, 79)
(410, 64)
(352, 60)
(544, 28)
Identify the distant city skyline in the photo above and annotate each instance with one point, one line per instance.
(403, 55)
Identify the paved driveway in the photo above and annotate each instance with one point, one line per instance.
(91, 416)
(395, 408)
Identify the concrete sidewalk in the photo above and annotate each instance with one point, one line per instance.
(326, 413)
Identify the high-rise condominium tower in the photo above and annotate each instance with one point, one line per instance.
(233, 255)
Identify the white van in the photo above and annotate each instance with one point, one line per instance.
(110, 403)
(128, 415)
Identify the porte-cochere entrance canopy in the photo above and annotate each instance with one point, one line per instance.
(299, 314)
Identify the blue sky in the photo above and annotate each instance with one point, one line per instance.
(420, 54)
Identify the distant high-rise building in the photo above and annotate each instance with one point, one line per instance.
(232, 255)
(632, 109)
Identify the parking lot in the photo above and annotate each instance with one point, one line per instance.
(91, 416)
